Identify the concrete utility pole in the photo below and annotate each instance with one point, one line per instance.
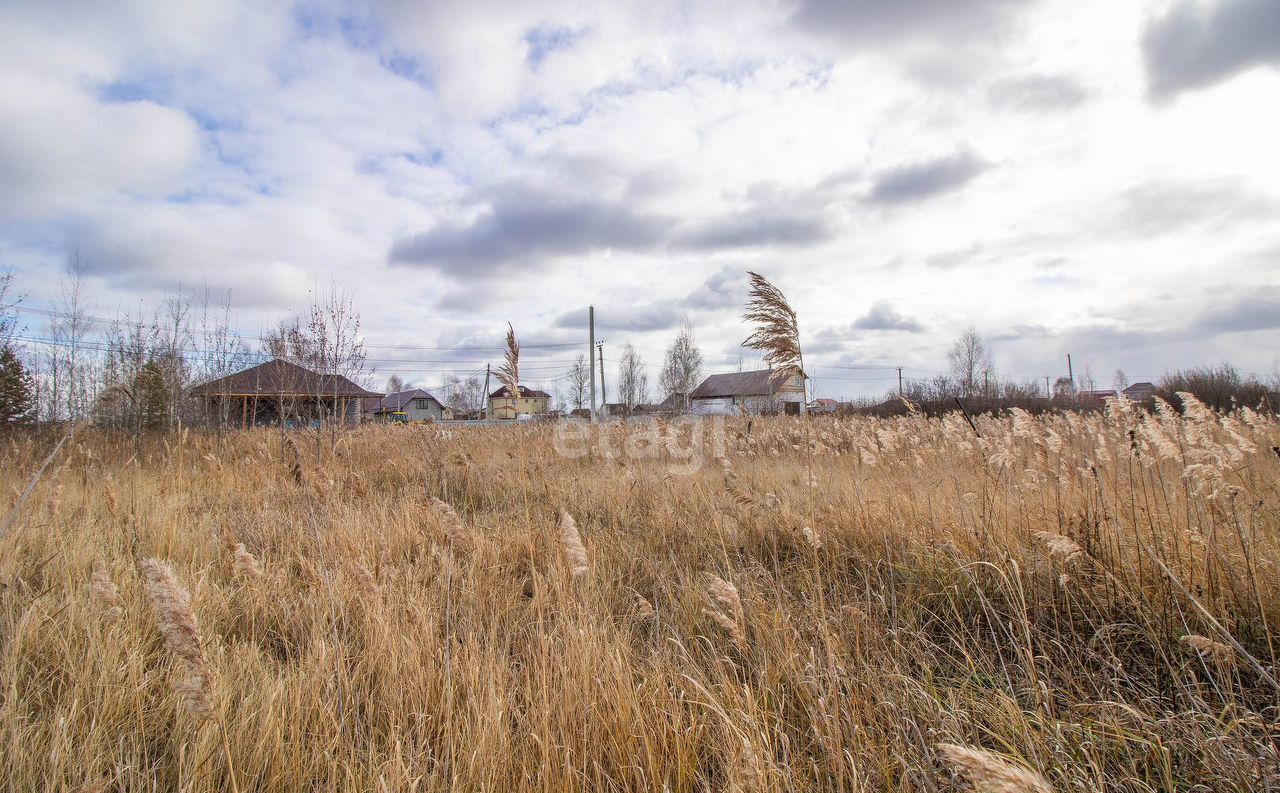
(1070, 374)
(484, 400)
(1048, 393)
(591, 353)
(604, 399)
(899, 381)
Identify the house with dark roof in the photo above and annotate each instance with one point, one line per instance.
(415, 404)
(1140, 392)
(531, 402)
(279, 391)
(760, 392)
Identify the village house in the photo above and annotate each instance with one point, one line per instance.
(1096, 395)
(279, 391)
(532, 402)
(758, 392)
(1140, 392)
(823, 406)
(415, 404)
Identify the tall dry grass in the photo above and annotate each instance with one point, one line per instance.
(420, 612)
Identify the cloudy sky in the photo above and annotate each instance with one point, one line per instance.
(1078, 176)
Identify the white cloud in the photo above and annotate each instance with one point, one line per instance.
(641, 158)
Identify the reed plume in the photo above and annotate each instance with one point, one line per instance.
(571, 542)
(988, 772)
(55, 501)
(1208, 648)
(113, 503)
(509, 371)
(777, 332)
(181, 634)
(106, 593)
(245, 562)
(295, 459)
(726, 608)
(365, 576)
(1061, 548)
(454, 529)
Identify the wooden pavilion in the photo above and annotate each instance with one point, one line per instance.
(278, 392)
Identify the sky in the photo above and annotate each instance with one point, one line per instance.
(1080, 176)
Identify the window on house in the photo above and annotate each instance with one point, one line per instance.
(420, 404)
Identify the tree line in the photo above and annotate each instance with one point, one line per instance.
(133, 371)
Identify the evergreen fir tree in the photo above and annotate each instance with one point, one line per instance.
(15, 389)
(152, 395)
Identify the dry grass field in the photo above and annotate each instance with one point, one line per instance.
(1075, 602)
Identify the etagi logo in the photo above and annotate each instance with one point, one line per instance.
(684, 443)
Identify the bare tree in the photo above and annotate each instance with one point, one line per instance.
(334, 331)
(395, 384)
(465, 396)
(9, 304)
(971, 364)
(70, 369)
(633, 381)
(174, 348)
(682, 365)
(290, 341)
(579, 382)
(221, 350)
(129, 375)
(1120, 380)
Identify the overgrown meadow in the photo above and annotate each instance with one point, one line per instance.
(1068, 602)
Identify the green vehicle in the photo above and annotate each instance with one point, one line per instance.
(396, 417)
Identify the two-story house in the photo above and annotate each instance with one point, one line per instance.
(531, 402)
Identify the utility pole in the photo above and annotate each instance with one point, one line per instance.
(1047, 392)
(604, 399)
(484, 407)
(1070, 374)
(899, 381)
(591, 353)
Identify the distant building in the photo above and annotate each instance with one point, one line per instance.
(279, 391)
(1096, 395)
(758, 392)
(1140, 392)
(416, 404)
(532, 402)
(643, 409)
(676, 402)
(823, 406)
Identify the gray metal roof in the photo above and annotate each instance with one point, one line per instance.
(399, 399)
(761, 382)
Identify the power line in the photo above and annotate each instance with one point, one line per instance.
(259, 338)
